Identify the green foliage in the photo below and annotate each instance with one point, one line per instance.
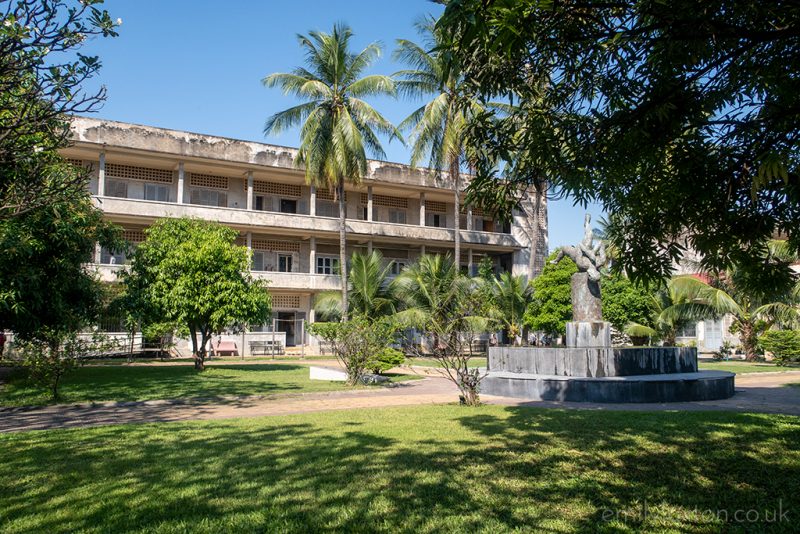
(551, 306)
(783, 344)
(624, 302)
(510, 298)
(439, 302)
(725, 351)
(45, 285)
(369, 290)
(191, 272)
(357, 342)
(387, 359)
(337, 127)
(678, 120)
(51, 356)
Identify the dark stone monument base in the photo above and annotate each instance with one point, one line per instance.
(682, 387)
(588, 334)
(619, 374)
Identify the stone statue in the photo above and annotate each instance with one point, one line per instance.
(587, 328)
(589, 257)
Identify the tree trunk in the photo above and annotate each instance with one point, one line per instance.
(536, 232)
(455, 174)
(198, 363)
(343, 247)
(749, 338)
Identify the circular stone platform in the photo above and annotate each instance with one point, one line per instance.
(638, 374)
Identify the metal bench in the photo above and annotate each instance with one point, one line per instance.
(264, 348)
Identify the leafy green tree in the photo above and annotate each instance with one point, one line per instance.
(42, 79)
(624, 302)
(681, 121)
(46, 289)
(437, 300)
(783, 344)
(369, 290)
(551, 306)
(191, 272)
(438, 128)
(338, 127)
(358, 343)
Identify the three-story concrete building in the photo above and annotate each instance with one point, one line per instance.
(142, 173)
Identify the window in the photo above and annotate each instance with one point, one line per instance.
(327, 209)
(690, 330)
(284, 263)
(397, 267)
(116, 188)
(435, 219)
(327, 265)
(156, 192)
(258, 261)
(288, 206)
(364, 212)
(261, 203)
(208, 197)
(397, 216)
(107, 258)
(488, 226)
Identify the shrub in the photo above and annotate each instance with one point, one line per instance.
(356, 342)
(783, 344)
(724, 353)
(386, 359)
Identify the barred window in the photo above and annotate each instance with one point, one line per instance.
(285, 301)
(276, 246)
(385, 201)
(131, 172)
(276, 189)
(207, 197)
(208, 181)
(116, 188)
(435, 205)
(156, 192)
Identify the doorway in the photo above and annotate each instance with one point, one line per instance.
(286, 324)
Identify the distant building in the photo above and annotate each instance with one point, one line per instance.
(143, 173)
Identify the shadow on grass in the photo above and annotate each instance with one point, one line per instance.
(423, 469)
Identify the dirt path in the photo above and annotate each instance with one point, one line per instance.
(757, 392)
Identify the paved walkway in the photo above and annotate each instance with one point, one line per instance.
(758, 392)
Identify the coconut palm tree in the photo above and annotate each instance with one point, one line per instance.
(438, 127)
(338, 128)
(369, 290)
(511, 296)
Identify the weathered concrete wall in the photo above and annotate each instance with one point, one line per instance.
(593, 362)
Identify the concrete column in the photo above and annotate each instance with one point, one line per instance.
(312, 203)
(97, 252)
(250, 190)
(312, 253)
(181, 182)
(311, 316)
(369, 247)
(422, 250)
(469, 261)
(101, 175)
(469, 218)
(249, 239)
(369, 203)
(422, 209)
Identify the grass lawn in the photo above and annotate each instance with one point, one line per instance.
(419, 469)
(126, 383)
(431, 362)
(741, 367)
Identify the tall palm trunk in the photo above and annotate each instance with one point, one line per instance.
(343, 246)
(455, 174)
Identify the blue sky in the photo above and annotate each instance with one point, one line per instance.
(197, 66)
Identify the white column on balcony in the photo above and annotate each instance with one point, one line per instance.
(250, 190)
(422, 209)
(369, 203)
(312, 202)
(101, 175)
(249, 240)
(312, 253)
(469, 261)
(97, 253)
(469, 218)
(181, 182)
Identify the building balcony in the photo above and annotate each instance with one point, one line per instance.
(277, 280)
(145, 211)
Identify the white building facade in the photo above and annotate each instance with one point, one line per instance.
(140, 174)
